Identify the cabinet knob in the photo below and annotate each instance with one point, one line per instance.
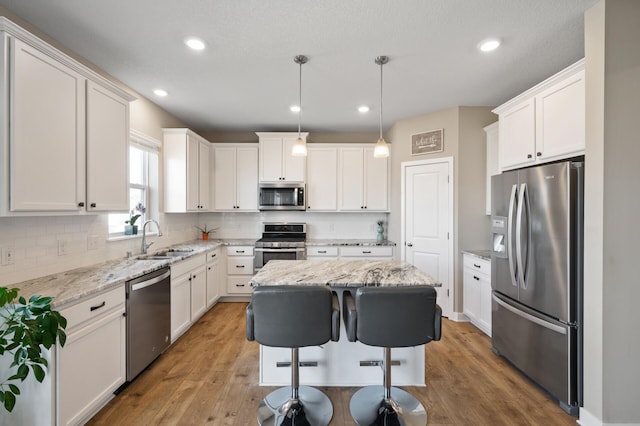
(81, 204)
(93, 204)
(539, 154)
(529, 156)
(476, 278)
(409, 244)
(476, 265)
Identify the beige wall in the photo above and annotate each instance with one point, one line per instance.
(464, 140)
(612, 345)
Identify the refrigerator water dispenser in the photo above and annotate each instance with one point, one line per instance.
(499, 236)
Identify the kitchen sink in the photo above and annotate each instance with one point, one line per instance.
(166, 254)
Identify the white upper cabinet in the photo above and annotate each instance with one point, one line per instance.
(64, 132)
(276, 162)
(545, 123)
(322, 178)
(186, 170)
(235, 177)
(47, 132)
(107, 150)
(363, 181)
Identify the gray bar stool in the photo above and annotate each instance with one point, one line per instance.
(390, 317)
(291, 316)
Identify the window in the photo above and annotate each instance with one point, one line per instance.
(143, 184)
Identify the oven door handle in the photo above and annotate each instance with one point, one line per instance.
(279, 250)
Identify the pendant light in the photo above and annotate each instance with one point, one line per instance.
(381, 149)
(300, 147)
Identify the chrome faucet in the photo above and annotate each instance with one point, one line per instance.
(145, 246)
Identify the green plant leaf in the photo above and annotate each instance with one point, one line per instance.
(62, 337)
(23, 371)
(14, 389)
(9, 401)
(38, 371)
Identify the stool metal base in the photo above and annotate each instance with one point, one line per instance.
(316, 405)
(365, 403)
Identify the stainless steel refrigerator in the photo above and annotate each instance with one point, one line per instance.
(536, 275)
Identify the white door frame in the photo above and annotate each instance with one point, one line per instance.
(403, 175)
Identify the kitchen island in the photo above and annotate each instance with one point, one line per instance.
(342, 363)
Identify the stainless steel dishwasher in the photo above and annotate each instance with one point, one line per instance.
(148, 319)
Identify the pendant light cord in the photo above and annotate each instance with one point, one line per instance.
(381, 64)
(300, 99)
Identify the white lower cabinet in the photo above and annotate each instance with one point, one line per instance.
(188, 293)
(92, 364)
(239, 269)
(198, 292)
(342, 363)
(477, 291)
(213, 277)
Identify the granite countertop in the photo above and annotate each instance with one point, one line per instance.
(341, 273)
(347, 242)
(71, 286)
(482, 254)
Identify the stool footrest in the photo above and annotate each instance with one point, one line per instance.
(300, 364)
(377, 363)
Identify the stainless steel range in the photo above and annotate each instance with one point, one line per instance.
(280, 241)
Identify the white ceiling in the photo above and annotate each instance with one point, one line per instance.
(246, 78)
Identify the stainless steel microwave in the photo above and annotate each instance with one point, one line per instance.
(281, 196)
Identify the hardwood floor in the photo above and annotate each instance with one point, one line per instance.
(210, 375)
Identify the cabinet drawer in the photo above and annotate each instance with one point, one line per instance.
(213, 256)
(479, 265)
(239, 265)
(93, 307)
(239, 284)
(187, 265)
(363, 251)
(322, 251)
(240, 251)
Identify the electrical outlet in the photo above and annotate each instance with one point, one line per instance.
(62, 247)
(7, 256)
(93, 241)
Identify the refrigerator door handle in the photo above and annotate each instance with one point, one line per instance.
(510, 218)
(520, 261)
(529, 317)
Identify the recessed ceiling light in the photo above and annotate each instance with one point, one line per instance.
(194, 43)
(295, 108)
(362, 109)
(489, 44)
(160, 92)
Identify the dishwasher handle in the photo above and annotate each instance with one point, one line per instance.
(152, 281)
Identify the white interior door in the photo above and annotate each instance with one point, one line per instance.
(427, 221)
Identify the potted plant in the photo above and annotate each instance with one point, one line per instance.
(132, 228)
(205, 232)
(25, 329)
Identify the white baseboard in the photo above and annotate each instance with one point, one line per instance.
(459, 317)
(588, 419)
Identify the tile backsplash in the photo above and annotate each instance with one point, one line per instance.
(45, 245)
(41, 246)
